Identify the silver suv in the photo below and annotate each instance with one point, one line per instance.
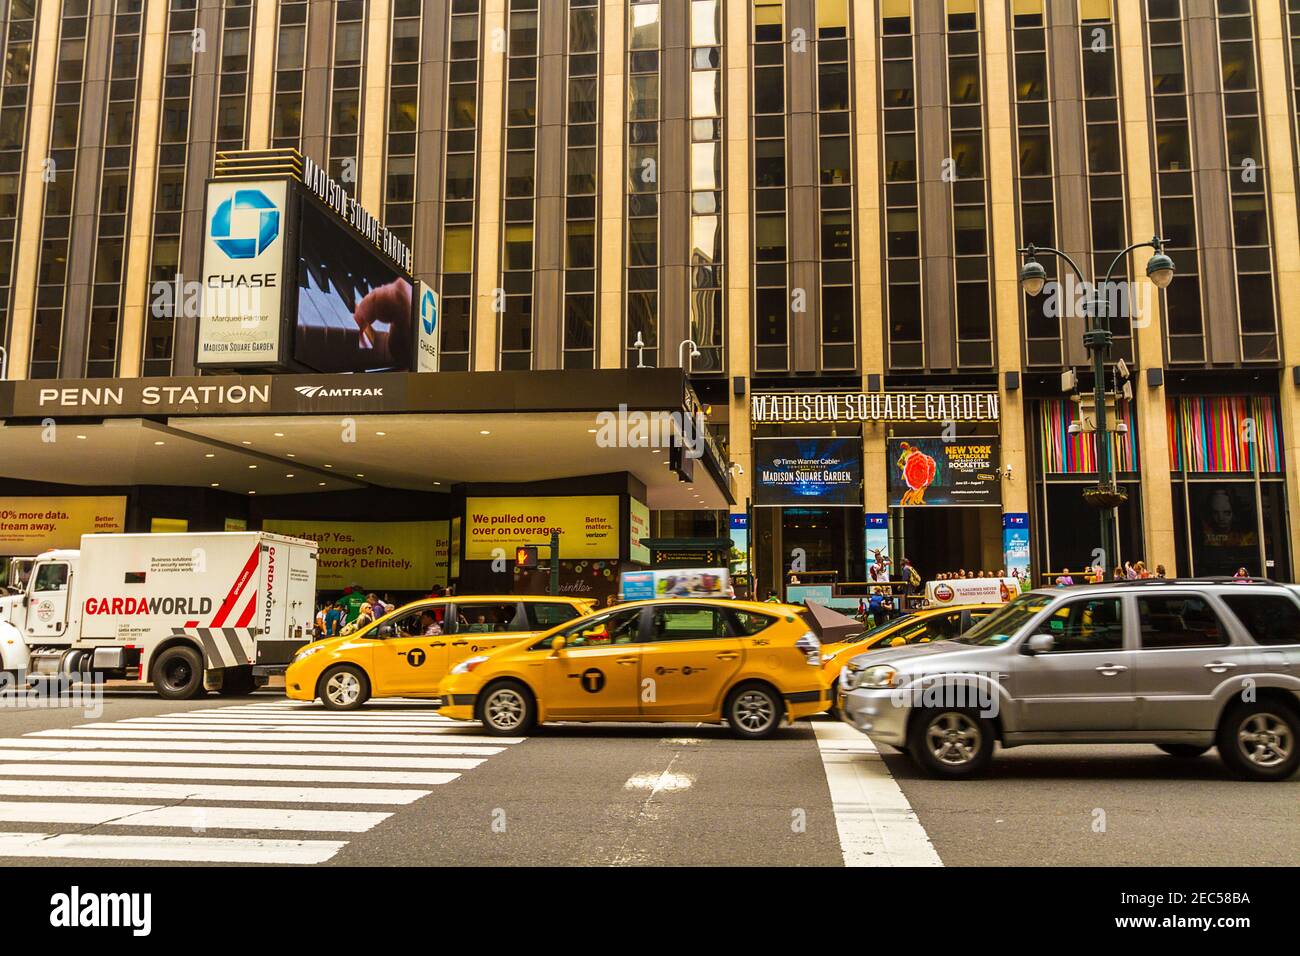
(1184, 664)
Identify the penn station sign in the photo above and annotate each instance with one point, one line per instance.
(787, 408)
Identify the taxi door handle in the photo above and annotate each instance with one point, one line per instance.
(728, 657)
(439, 644)
(459, 643)
(626, 660)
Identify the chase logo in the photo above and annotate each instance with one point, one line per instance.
(429, 311)
(268, 224)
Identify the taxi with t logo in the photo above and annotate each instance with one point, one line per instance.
(679, 659)
(407, 651)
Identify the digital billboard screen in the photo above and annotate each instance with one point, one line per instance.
(821, 472)
(354, 308)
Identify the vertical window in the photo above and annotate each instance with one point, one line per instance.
(708, 317)
(169, 186)
(642, 157)
(290, 64)
(582, 172)
(835, 178)
(1035, 171)
(236, 55)
(344, 120)
(969, 187)
(902, 208)
(56, 219)
(1175, 163)
(18, 35)
(516, 322)
(771, 250)
(460, 184)
(403, 115)
(115, 191)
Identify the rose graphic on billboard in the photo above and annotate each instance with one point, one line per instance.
(918, 470)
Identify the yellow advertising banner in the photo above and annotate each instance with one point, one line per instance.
(29, 526)
(378, 555)
(588, 527)
(638, 529)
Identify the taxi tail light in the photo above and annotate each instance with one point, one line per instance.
(811, 647)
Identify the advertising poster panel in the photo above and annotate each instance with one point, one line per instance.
(674, 583)
(428, 331)
(638, 529)
(931, 471)
(1015, 544)
(588, 527)
(243, 274)
(825, 472)
(29, 526)
(377, 555)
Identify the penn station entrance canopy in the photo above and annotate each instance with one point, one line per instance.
(295, 434)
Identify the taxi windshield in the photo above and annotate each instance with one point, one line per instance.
(999, 626)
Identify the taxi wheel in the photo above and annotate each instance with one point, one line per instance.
(833, 710)
(507, 709)
(754, 711)
(343, 687)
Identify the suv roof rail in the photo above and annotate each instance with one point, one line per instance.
(1208, 579)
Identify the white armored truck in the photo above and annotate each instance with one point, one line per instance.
(185, 612)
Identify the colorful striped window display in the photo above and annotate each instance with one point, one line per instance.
(1213, 433)
(1066, 454)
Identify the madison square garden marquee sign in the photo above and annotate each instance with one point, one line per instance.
(797, 408)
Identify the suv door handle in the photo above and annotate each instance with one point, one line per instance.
(1220, 666)
(1110, 670)
(728, 657)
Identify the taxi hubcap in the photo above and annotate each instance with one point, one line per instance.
(754, 711)
(343, 688)
(953, 738)
(1265, 740)
(505, 709)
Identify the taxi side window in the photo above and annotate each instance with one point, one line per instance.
(543, 617)
(748, 623)
(51, 577)
(943, 628)
(618, 627)
(492, 617)
(687, 623)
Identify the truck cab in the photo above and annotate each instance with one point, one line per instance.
(43, 614)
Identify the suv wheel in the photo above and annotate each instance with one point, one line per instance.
(1185, 751)
(950, 742)
(1260, 741)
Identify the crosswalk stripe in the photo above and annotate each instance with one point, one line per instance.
(120, 743)
(245, 759)
(93, 846)
(425, 779)
(153, 733)
(198, 818)
(372, 796)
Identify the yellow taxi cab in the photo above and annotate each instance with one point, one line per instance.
(407, 651)
(916, 627)
(677, 659)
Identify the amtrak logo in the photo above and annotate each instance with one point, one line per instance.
(322, 391)
(429, 311)
(268, 224)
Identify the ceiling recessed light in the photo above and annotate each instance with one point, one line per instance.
(216, 484)
(209, 455)
(290, 475)
(252, 492)
(321, 483)
(381, 434)
(252, 466)
(360, 475)
(291, 455)
(591, 431)
(437, 482)
(82, 437)
(484, 431)
(160, 443)
(329, 466)
(246, 443)
(279, 434)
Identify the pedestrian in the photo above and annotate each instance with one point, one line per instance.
(611, 600)
(1160, 570)
(353, 598)
(320, 621)
(335, 617)
(875, 607)
(771, 597)
(1141, 571)
(911, 578)
(1064, 580)
(1241, 575)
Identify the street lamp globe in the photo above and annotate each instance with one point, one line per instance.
(1160, 270)
(1033, 277)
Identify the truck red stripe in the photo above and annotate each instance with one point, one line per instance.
(247, 616)
(237, 588)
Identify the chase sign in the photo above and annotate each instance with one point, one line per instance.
(266, 224)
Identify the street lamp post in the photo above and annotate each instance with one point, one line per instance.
(1097, 340)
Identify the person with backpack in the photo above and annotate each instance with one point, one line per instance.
(911, 580)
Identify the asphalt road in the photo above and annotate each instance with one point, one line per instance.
(149, 781)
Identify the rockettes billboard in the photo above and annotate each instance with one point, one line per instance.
(928, 472)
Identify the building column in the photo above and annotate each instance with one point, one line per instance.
(613, 184)
(1004, 161)
(491, 124)
(739, 249)
(1280, 159)
(871, 249)
(262, 74)
(1158, 533)
(139, 240)
(374, 107)
(31, 209)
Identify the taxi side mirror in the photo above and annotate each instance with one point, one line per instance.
(557, 645)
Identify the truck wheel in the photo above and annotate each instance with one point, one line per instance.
(1260, 741)
(343, 688)
(178, 674)
(237, 682)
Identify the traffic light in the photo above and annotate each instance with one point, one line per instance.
(526, 556)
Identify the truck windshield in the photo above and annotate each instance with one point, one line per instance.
(1000, 626)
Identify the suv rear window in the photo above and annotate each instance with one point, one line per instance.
(1270, 618)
